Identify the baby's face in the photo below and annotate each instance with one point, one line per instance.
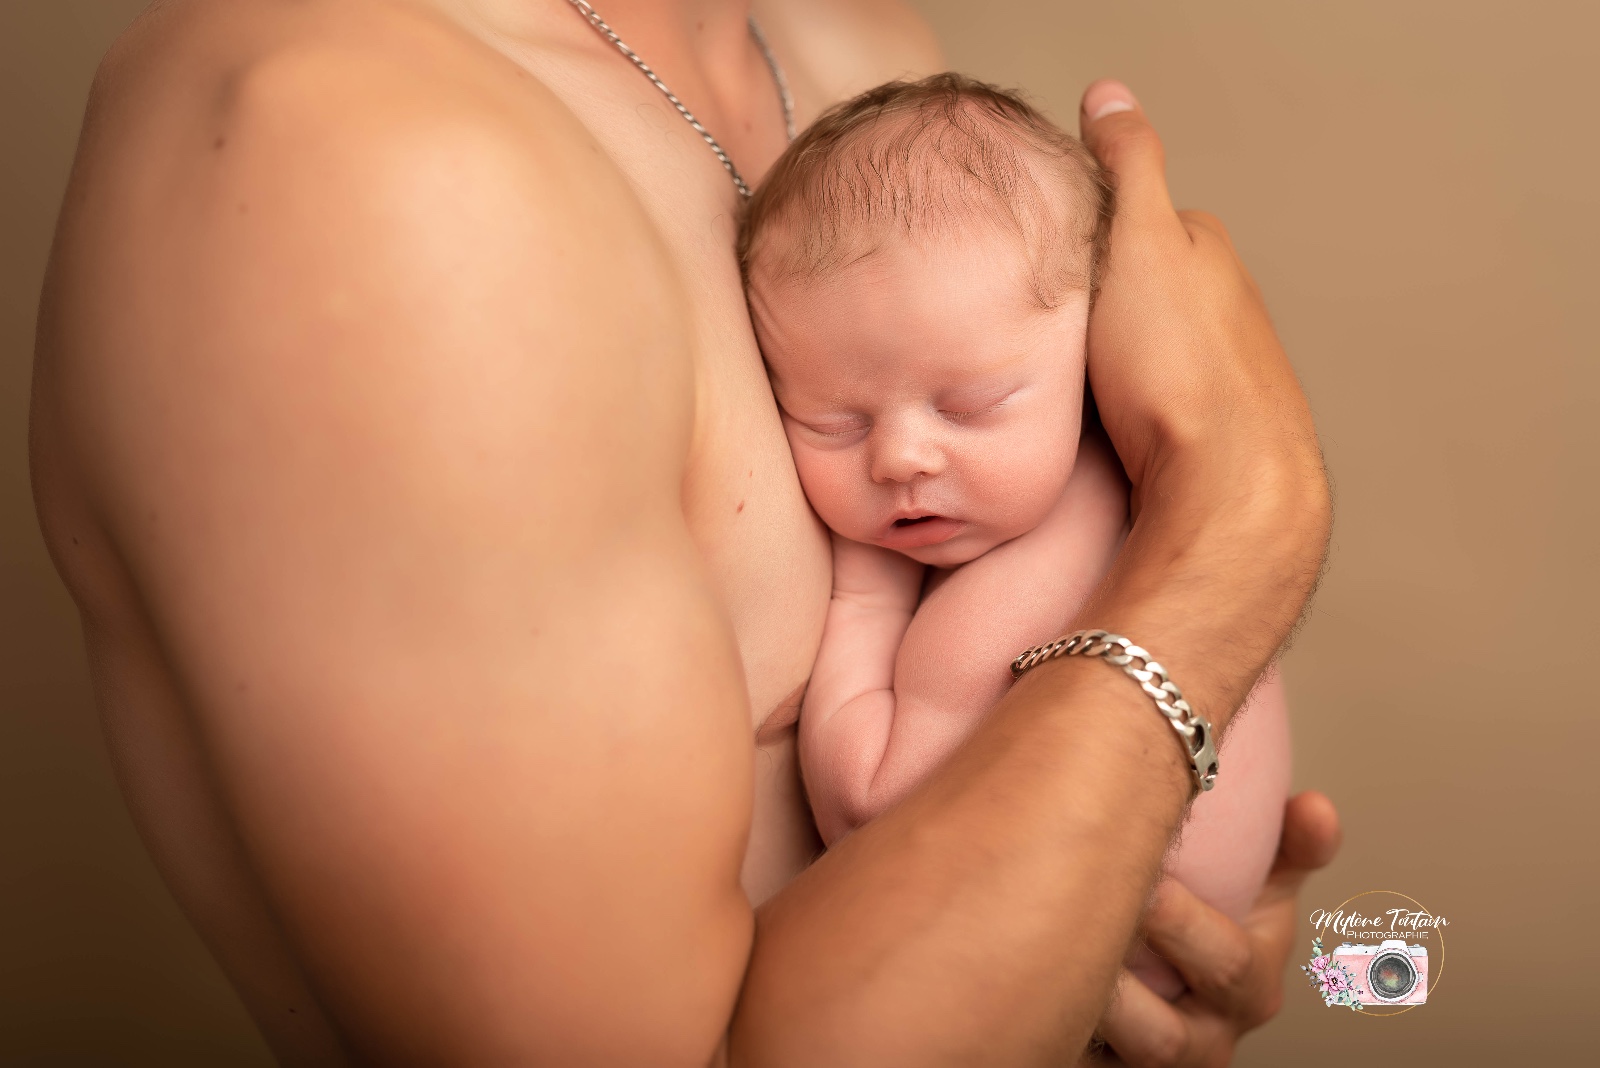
(932, 406)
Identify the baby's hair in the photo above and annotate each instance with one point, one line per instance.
(926, 158)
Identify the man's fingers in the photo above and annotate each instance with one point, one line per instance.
(1310, 840)
(1204, 220)
(1116, 131)
(1203, 224)
(1142, 1027)
(1236, 968)
(1206, 231)
(1212, 953)
(1311, 831)
(1147, 1032)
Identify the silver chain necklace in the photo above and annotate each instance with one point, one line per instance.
(766, 53)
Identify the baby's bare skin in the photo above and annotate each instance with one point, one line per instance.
(933, 407)
(933, 412)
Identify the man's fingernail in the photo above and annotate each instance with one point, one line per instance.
(1110, 107)
(1107, 98)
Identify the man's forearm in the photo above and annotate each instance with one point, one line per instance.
(1006, 888)
(1216, 572)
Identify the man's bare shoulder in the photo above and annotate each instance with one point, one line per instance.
(358, 68)
(847, 46)
(274, 200)
(303, 126)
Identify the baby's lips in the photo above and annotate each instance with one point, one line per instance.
(930, 530)
(906, 518)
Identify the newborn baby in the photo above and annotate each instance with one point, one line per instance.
(919, 266)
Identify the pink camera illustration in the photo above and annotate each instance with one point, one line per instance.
(1390, 973)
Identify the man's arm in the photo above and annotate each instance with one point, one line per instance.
(384, 407)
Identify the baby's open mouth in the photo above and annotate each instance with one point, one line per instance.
(920, 531)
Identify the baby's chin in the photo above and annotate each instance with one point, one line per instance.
(961, 549)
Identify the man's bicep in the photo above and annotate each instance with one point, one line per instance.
(399, 488)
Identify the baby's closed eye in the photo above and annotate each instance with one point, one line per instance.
(828, 425)
(834, 429)
(961, 408)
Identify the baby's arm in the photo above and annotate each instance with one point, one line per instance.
(876, 723)
(850, 702)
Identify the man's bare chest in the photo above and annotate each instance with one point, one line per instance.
(766, 552)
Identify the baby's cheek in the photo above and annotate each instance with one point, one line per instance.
(1021, 481)
(1020, 498)
(834, 487)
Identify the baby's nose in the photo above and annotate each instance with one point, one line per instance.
(901, 457)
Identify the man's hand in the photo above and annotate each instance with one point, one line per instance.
(1209, 421)
(1204, 409)
(1234, 971)
(1175, 287)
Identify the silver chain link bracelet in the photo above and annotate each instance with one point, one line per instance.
(1193, 729)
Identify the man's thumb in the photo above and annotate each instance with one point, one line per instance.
(1116, 130)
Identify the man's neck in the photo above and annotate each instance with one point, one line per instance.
(709, 28)
(712, 34)
(702, 49)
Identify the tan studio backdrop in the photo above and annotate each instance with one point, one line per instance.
(1414, 183)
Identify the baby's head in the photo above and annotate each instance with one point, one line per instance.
(919, 266)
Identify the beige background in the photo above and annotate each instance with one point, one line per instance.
(1414, 182)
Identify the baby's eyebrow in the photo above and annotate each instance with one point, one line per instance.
(1006, 380)
(827, 408)
(971, 404)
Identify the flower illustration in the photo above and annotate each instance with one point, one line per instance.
(1331, 979)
